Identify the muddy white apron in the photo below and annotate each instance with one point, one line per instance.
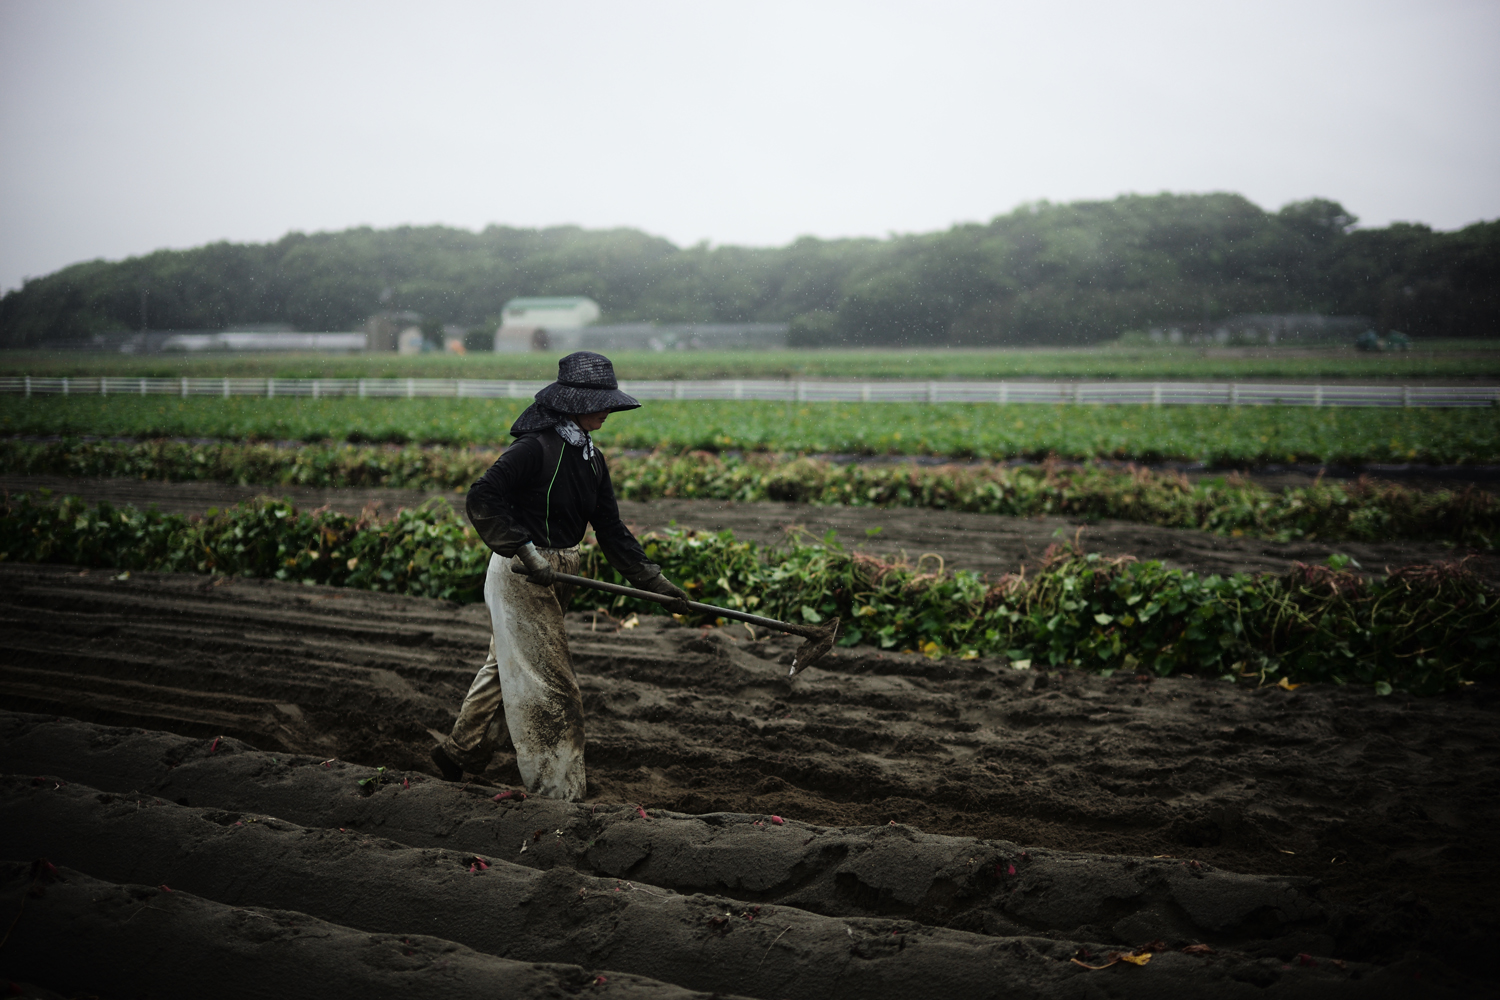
(526, 685)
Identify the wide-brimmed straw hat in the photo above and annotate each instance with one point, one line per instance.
(585, 384)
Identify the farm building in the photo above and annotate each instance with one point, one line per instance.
(684, 336)
(528, 324)
(1302, 329)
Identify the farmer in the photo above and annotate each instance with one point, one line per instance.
(531, 508)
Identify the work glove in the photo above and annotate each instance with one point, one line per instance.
(538, 569)
(650, 578)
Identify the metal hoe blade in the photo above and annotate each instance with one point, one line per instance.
(820, 640)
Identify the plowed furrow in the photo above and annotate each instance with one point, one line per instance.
(238, 638)
(238, 671)
(100, 668)
(149, 712)
(188, 592)
(214, 692)
(95, 684)
(125, 604)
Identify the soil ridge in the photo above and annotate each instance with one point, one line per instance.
(555, 915)
(985, 886)
(79, 934)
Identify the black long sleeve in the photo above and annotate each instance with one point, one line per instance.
(616, 541)
(544, 491)
(490, 501)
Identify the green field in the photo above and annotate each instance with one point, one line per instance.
(1211, 434)
(1427, 360)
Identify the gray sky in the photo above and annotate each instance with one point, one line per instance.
(129, 127)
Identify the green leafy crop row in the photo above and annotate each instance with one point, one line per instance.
(427, 552)
(1423, 629)
(1216, 435)
(1361, 510)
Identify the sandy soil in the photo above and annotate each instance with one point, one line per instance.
(1037, 817)
(982, 542)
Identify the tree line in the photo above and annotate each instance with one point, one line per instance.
(1042, 274)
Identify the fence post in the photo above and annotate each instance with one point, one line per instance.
(143, 387)
(270, 388)
(184, 388)
(1156, 394)
(1317, 395)
(1077, 393)
(932, 392)
(65, 385)
(411, 388)
(28, 386)
(1004, 393)
(361, 388)
(226, 386)
(739, 389)
(1406, 395)
(864, 392)
(315, 388)
(103, 385)
(801, 392)
(1234, 394)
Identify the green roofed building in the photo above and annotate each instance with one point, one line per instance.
(543, 322)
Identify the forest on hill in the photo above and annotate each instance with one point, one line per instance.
(1042, 274)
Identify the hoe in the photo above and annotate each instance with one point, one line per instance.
(819, 637)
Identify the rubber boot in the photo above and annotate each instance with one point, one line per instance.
(447, 765)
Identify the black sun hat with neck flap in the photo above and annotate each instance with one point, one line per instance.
(585, 384)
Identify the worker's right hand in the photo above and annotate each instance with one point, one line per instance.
(538, 569)
(659, 584)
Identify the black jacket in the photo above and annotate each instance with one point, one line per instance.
(543, 491)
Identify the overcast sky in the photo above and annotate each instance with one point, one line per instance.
(129, 127)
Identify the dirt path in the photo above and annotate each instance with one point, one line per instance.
(995, 544)
(984, 542)
(1388, 803)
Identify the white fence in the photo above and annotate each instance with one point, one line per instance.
(1158, 393)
